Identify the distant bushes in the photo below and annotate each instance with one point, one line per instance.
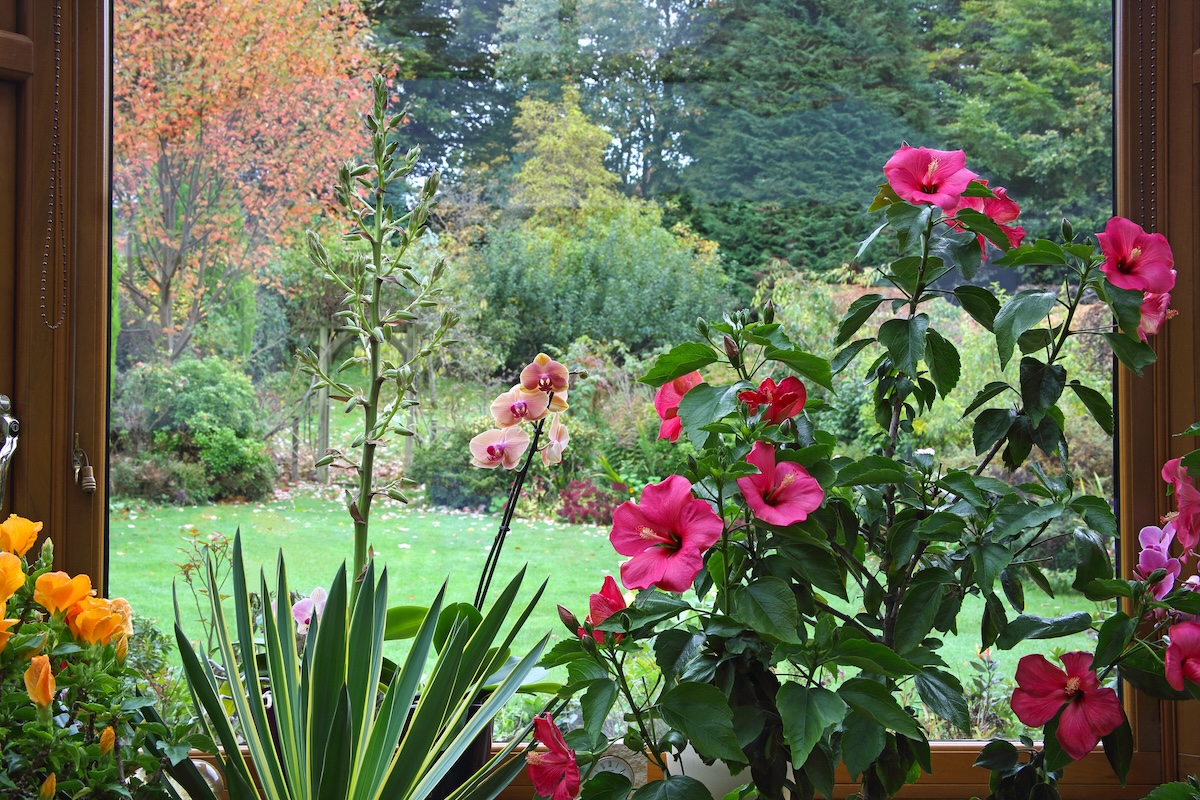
(188, 433)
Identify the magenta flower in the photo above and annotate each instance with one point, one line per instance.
(305, 609)
(1155, 310)
(545, 375)
(1134, 259)
(921, 175)
(665, 535)
(554, 774)
(556, 442)
(1151, 559)
(1089, 711)
(494, 448)
(603, 605)
(781, 493)
(666, 403)
(1187, 498)
(518, 405)
(1182, 659)
(782, 401)
(1001, 210)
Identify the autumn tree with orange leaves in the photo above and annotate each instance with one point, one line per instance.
(230, 118)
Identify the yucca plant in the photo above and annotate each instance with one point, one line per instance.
(339, 733)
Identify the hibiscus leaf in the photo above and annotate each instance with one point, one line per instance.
(1041, 253)
(958, 248)
(1136, 355)
(1023, 311)
(806, 712)
(873, 700)
(1126, 305)
(1091, 559)
(843, 357)
(858, 313)
(985, 226)
(1031, 626)
(905, 341)
(990, 560)
(885, 197)
(990, 427)
(1114, 636)
(872, 657)
(1110, 588)
(606, 786)
(942, 693)
(986, 393)
(679, 361)
(871, 469)
(1096, 512)
(942, 358)
(768, 333)
(862, 248)
(701, 711)
(981, 304)
(673, 649)
(767, 605)
(910, 222)
(815, 368)
(1193, 430)
(997, 755)
(863, 740)
(1097, 405)
(673, 787)
(1179, 790)
(1041, 386)
(596, 702)
(704, 405)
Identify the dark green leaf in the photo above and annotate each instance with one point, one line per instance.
(858, 313)
(606, 786)
(1031, 626)
(682, 359)
(862, 742)
(981, 304)
(989, 559)
(1041, 386)
(1126, 305)
(1023, 311)
(1091, 559)
(673, 648)
(962, 484)
(1035, 339)
(674, 787)
(1040, 253)
(870, 470)
(1193, 430)
(1097, 405)
(596, 702)
(1173, 791)
(843, 357)
(872, 657)
(991, 426)
(1014, 590)
(1097, 513)
(1136, 355)
(997, 755)
(917, 614)
(767, 605)
(905, 341)
(942, 693)
(982, 224)
(942, 358)
(986, 393)
(806, 712)
(702, 405)
(1115, 634)
(815, 368)
(701, 711)
(1108, 589)
(874, 701)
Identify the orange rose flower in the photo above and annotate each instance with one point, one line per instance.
(57, 591)
(18, 534)
(39, 681)
(122, 607)
(12, 577)
(94, 621)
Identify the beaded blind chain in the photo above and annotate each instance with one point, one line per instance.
(56, 204)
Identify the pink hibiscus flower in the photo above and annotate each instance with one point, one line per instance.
(494, 448)
(1134, 259)
(666, 403)
(1091, 711)
(665, 535)
(519, 405)
(922, 175)
(781, 493)
(603, 605)
(556, 442)
(782, 401)
(545, 375)
(1001, 210)
(554, 774)
(1182, 659)
(1187, 498)
(1155, 310)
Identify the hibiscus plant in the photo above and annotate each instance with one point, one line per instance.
(789, 593)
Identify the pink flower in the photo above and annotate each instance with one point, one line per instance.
(495, 447)
(518, 405)
(304, 610)
(781, 493)
(1182, 660)
(666, 403)
(784, 401)
(545, 375)
(554, 773)
(1187, 497)
(603, 605)
(1090, 711)
(666, 535)
(1155, 310)
(1150, 560)
(1001, 210)
(921, 175)
(1134, 259)
(556, 442)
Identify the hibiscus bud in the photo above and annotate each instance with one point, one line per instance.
(769, 312)
(568, 619)
(108, 740)
(702, 326)
(634, 741)
(1068, 233)
(49, 786)
(788, 428)
(1157, 575)
(731, 350)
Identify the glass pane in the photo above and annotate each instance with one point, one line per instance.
(609, 172)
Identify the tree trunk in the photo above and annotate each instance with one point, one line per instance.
(325, 344)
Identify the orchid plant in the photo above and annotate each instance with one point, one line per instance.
(789, 593)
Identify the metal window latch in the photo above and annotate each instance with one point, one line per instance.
(10, 430)
(84, 475)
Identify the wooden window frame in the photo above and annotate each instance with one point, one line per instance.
(65, 377)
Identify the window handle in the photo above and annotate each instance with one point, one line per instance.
(10, 430)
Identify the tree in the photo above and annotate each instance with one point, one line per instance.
(229, 116)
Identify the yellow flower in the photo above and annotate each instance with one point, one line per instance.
(107, 740)
(5, 633)
(18, 534)
(94, 620)
(122, 607)
(48, 788)
(12, 577)
(39, 681)
(57, 591)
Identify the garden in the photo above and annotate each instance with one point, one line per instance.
(579, 378)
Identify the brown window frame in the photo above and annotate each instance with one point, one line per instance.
(62, 374)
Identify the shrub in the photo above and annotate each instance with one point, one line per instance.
(444, 466)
